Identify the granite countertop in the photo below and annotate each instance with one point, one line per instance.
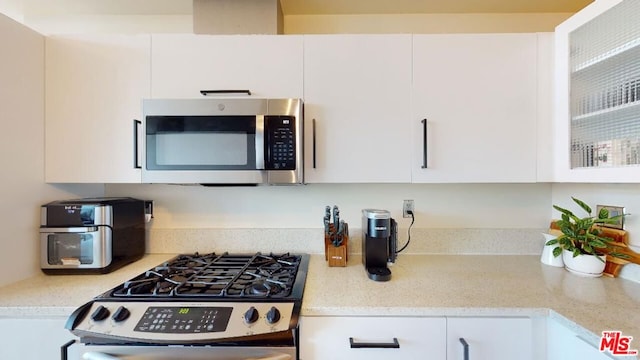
(421, 285)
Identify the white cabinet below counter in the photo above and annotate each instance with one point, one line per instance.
(489, 338)
(486, 338)
(565, 344)
(372, 338)
(33, 338)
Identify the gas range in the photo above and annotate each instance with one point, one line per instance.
(200, 299)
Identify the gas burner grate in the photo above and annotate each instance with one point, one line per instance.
(216, 276)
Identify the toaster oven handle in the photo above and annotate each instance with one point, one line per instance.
(136, 158)
(216, 92)
(87, 229)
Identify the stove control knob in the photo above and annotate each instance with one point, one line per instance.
(273, 315)
(121, 314)
(100, 313)
(251, 315)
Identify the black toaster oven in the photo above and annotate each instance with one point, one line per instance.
(91, 235)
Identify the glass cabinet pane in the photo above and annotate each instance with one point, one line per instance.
(605, 89)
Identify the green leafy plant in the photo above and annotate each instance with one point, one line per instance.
(582, 235)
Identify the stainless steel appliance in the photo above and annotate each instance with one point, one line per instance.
(197, 306)
(379, 243)
(223, 141)
(92, 235)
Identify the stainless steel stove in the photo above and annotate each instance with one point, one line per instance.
(213, 306)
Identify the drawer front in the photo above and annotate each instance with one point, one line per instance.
(372, 338)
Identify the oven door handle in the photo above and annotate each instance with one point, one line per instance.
(92, 355)
(98, 356)
(86, 229)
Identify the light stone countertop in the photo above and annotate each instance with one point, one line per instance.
(421, 285)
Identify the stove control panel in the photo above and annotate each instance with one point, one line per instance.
(183, 322)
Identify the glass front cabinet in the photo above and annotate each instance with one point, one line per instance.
(597, 98)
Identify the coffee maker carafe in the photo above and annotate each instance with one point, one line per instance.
(379, 243)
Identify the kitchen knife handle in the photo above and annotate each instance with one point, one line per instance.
(313, 141)
(465, 347)
(208, 92)
(375, 345)
(424, 144)
(136, 163)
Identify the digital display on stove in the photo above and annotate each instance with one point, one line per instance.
(184, 320)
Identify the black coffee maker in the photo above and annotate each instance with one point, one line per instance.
(379, 243)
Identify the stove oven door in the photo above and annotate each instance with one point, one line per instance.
(79, 351)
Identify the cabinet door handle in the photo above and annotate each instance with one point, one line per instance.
(313, 141)
(214, 92)
(136, 126)
(375, 345)
(424, 144)
(64, 350)
(465, 347)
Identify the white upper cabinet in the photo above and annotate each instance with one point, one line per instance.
(94, 90)
(597, 127)
(357, 108)
(268, 66)
(478, 94)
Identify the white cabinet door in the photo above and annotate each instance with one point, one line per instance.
(357, 92)
(33, 339)
(478, 95)
(268, 66)
(354, 338)
(489, 338)
(94, 89)
(565, 344)
(597, 80)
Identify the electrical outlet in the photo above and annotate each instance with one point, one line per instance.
(407, 205)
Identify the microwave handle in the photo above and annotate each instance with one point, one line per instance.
(218, 92)
(136, 157)
(260, 152)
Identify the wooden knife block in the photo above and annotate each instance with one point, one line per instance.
(337, 256)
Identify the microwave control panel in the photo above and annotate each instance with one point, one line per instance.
(280, 144)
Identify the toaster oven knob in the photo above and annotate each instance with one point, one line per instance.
(121, 314)
(273, 315)
(251, 315)
(100, 313)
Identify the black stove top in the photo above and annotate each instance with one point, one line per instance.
(219, 277)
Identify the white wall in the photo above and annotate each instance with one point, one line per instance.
(509, 206)
(22, 187)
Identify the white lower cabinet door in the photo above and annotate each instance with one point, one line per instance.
(489, 338)
(565, 344)
(33, 338)
(372, 338)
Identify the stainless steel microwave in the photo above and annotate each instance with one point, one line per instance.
(220, 141)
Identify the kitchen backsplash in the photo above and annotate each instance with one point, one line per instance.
(423, 241)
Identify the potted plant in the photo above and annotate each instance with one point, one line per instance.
(581, 246)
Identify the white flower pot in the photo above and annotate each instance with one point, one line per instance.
(584, 265)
